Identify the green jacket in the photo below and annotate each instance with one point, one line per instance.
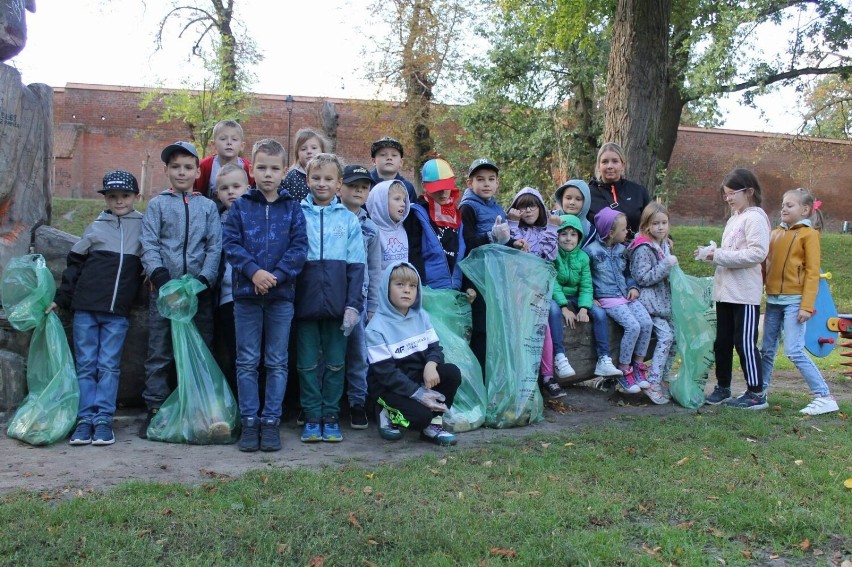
(573, 275)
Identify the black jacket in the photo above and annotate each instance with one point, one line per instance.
(632, 199)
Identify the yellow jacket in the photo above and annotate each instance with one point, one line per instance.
(792, 266)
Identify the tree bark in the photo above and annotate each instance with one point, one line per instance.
(637, 81)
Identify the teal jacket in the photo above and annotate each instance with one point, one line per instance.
(573, 275)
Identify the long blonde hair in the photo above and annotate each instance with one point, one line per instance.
(617, 150)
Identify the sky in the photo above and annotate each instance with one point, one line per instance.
(311, 48)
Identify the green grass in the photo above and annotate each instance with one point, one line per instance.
(716, 487)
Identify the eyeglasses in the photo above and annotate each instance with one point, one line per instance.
(730, 195)
(528, 208)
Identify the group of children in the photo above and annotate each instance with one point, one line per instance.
(340, 254)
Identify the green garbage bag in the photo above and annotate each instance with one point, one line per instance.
(49, 411)
(694, 317)
(449, 311)
(202, 410)
(517, 287)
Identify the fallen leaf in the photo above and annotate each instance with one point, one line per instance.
(818, 552)
(512, 493)
(846, 563)
(371, 541)
(368, 563)
(715, 532)
(533, 493)
(353, 519)
(500, 552)
(553, 478)
(848, 483)
(434, 471)
(166, 512)
(774, 556)
(317, 561)
(750, 440)
(685, 525)
(487, 464)
(368, 490)
(599, 521)
(545, 445)
(568, 445)
(746, 553)
(682, 462)
(370, 475)
(712, 498)
(264, 479)
(442, 462)
(805, 545)
(461, 495)
(798, 462)
(815, 428)
(143, 533)
(651, 550)
(631, 451)
(282, 548)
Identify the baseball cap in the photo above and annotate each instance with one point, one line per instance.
(480, 163)
(353, 173)
(119, 181)
(437, 176)
(177, 147)
(386, 142)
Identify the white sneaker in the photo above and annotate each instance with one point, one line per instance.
(820, 405)
(563, 368)
(604, 367)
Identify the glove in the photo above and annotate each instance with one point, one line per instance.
(351, 316)
(671, 260)
(160, 277)
(702, 252)
(431, 399)
(500, 231)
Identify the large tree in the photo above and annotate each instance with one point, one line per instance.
(828, 109)
(712, 48)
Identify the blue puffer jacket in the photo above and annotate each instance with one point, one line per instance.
(436, 270)
(610, 276)
(333, 276)
(262, 235)
(486, 211)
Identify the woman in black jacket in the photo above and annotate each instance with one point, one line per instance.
(609, 188)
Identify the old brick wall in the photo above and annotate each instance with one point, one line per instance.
(102, 128)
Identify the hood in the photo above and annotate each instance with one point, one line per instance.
(584, 189)
(542, 216)
(377, 205)
(385, 307)
(570, 221)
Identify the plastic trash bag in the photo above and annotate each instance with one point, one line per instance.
(49, 411)
(449, 311)
(517, 287)
(202, 410)
(694, 316)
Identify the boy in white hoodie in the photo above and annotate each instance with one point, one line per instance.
(388, 206)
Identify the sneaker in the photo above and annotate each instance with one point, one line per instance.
(143, 429)
(387, 429)
(554, 390)
(331, 430)
(605, 383)
(627, 383)
(312, 433)
(82, 434)
(718, 396)
(270, 436)
(103, 434)
(438, 435)
(749, 400)
(819, 406)
(357, 417)
(605, 367)
(563, 368)
(655, 394)
(250, 435)
(300, 419)
(640, 372)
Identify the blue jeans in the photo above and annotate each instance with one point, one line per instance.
(597, 316)
(98, 342)
(268, 320)
(784, 318)
(356, 363)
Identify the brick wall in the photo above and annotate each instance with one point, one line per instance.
(115, 134)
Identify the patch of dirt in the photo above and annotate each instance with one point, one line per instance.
(60, 469)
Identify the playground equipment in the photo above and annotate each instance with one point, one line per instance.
(822, 328)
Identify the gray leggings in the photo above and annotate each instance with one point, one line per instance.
(634, 318)
(664, 352)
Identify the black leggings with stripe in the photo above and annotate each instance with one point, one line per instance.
(737, 326)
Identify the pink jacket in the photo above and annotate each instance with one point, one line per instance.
(745, 244)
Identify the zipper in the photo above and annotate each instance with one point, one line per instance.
(322, 233)
(266, 260)
(120, 264)
(185, 231)
(787, 257)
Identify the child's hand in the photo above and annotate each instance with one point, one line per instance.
(260, 291)
(53, 307)
(350, 319)
(431, 399)
(430, 375)
(370, 315)
(264, 280)
(633, 294)
(471, 294)
(513, 215)
(804, 316)
(521, 244)
(569, 316)
(555, 220)
(583, 315)
(671, 260)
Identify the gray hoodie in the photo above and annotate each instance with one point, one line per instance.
(182, 233)
(392, 235)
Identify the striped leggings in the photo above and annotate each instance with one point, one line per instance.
(736, 328)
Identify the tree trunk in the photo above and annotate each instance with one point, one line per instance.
(636, 84)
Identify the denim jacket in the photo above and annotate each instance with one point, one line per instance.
(610, 274)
